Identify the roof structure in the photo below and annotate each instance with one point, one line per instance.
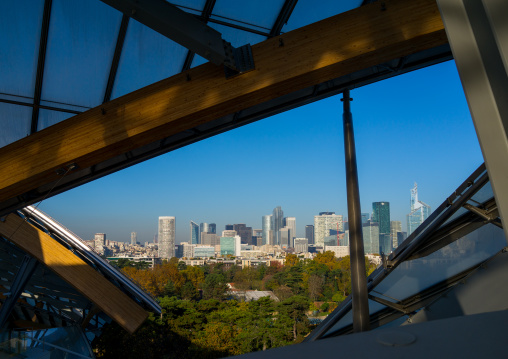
(90, 87)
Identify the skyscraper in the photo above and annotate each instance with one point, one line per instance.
(228, 227)
(134, 238)
(203, 228)
(290, 222)
(266, 225)
(419, 211)
(395, 227)
(309, 233)
(277, 224)
(325, 222)
(212, 228)
(194, 233)
(285, 237)
(166, 237)
(371, 237)
(381, 215)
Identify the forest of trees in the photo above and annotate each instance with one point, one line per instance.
(201, 319)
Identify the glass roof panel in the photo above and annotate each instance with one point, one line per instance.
(252, 11)
(193, 4)
(307, 12)
(82, 39)
(417, 275)
(147, 57)
(198, 60)
(236, 37)
(15, 122)
(48, 118)
(20, 32)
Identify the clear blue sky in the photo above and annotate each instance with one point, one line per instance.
(412, 128)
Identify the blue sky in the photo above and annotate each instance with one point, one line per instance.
(412, 128)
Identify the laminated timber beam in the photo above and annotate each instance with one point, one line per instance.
(111, 300)
(323, 51)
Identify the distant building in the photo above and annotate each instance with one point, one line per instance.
(365, 217)
(338, 251)
(395, 227)
(323, 223)
(229, 227)
(201, 251)
(309, 233)
(210, 239)
(371, 238)
(188, 250)
(230, 246)
(277, 224)
(100, 239)
(229, 233)
(203, 227)
(212, 228)
(194, 233)
(134, 238)
(419, 211)
(401, 237)
(167, 237)
(381, 215)
(244, 232)
(290, 222)
(285, 237)
(266, 224)
(301, 245)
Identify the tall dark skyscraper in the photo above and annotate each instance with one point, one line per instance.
(244, 232)
(381, 215)
(309, 233)
(212, 228)
(277, 224)
(229, 227)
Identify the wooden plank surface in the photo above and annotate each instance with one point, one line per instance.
(322, 51)
(74, 271)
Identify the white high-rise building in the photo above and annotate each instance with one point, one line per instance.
(267, 227)
(290, 222)
(167, 237)
(134, 238)
(325, 222)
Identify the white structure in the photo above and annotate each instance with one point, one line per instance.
(338, 251)
(325, 222)
(134, 238)
(167, 227)
(290, 222)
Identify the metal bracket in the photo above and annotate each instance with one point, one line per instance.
(238, 60)
(489, 215)
(396, 306)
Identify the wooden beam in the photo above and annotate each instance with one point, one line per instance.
(74, 271)
(337, 46)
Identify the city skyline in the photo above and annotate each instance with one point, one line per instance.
(132, 199)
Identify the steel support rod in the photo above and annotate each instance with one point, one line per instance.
(361, 320)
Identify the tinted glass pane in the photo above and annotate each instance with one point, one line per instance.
(20, 32)
(48, 118)
(253, 12)
(15, 122)
(306, 12)
(236, 37)
(82, 39)
(147, 57)
(193, 4)
(417, 275)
